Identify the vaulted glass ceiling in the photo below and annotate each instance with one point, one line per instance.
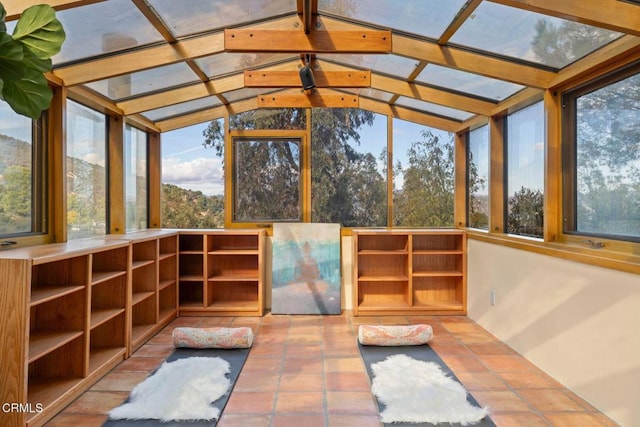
(447, 59)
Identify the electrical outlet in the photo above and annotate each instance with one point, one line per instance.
(492, 297)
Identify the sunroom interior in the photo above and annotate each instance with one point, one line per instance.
(514, 124)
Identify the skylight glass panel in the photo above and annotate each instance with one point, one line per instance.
(529, 36)
(428, 18)
(226, 62)
(240, 94)
(103, 27)
(393, 65)
(182, 108)
(462, 81)
(428, 107)
(376, 94)
(185, 17)
(129, 85)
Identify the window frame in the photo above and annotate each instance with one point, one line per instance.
(569, 156)
(488, 182)
(147, 180)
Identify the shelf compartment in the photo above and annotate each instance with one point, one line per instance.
(368, 243)
(103, 315)
(191, 265)
(144, 279)
(63, 274)
(44, 294)
(383, 293)
(138, 297)
(143, 252)
(108, 263)
(438, 291)
(145, 311)
(395, 265)
(232, 243)
(107, 340)
(232, 267)
(437, 264)
(233, 294)
(110, 293)
(190, 243)
(168, 297)
(438, 242)
(167, 247)
(191, 294)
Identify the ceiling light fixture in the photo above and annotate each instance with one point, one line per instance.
(306, 75)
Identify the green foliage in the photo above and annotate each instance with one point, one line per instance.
(426, 198)
(190, 209)
(25, 56)
(526, 213)
(15, 200)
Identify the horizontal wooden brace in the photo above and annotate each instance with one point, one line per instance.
(351, 41)
(266, 78)
(315, 99)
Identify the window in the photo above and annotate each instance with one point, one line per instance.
(136, 178)
(193, 176)
(602, 157)
(423, 176)
(86, 172)
(348, 167)
(478, 178)
(267, 179)
(525, 171)
(21, 174)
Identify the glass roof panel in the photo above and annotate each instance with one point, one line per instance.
(375, 94)
(394, 65)
(103, 27)
(428, 107)
(118, 88)
(462, 81)
(182, 108)
(187, 17)
(240, 94)
(226, 62)
(529, 36)
(428, 18)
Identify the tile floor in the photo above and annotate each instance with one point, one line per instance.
(306, 371)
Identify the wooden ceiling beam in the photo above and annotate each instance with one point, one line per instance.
(613, 15)
(472, 62)
(141, 59)
(207, 115)
(14, 8)
(268, 78)
(273, 40)
(460, 19)
(317, 98)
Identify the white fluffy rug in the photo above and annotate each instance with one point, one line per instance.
(416, 392)
(182, 390)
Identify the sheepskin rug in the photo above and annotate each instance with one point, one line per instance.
(182, 390)
(415, 391)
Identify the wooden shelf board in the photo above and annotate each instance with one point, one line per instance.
(103, 276)
(392, 278)
(191, 278)
(48, 293)
(138, 297)
(191, 252)
(438, 305)
(102, 315)
(141, 263)
(191, 304)
(437, 252)
(166, 313)
(44, 342)
(100, 356)
(139, 331)
(451, 273)
(233, 305)
(234, 252)
(165, 284)
(383, 305)
(165, 256)
(245, 277)
(383, 252)
(47, 390)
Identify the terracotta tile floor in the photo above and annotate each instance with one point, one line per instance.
(306, 371)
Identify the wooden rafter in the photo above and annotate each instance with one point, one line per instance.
(256, 40)
(468, 9)
(267, 78)
(614, 15)
(14, 8)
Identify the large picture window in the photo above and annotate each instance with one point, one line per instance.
(86, 171)
(525, 171)
(267, 179)
(478, 178)
(136, 178)
(21, 174)
(602, 157)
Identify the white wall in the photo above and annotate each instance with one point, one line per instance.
(577, 322)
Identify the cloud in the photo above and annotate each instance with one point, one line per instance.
(201, 174)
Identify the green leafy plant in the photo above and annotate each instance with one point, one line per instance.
(25, 56)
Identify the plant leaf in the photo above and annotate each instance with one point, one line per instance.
(40, 31)
(29, 96)
(32, 61)
(3, 16)
(11, 57)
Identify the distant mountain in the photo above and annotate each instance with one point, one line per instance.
(14, 152)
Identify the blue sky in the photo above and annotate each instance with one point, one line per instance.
(186, 163)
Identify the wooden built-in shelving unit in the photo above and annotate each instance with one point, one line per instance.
(221, 272)
(399, 272)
